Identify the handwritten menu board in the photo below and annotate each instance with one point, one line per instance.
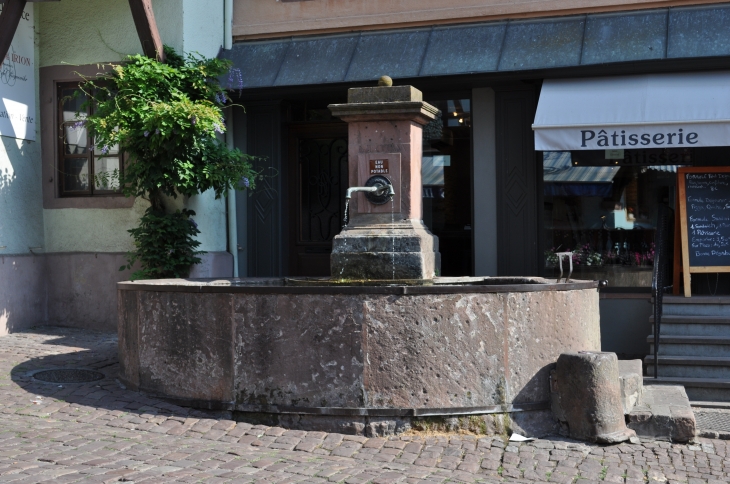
(704, 205)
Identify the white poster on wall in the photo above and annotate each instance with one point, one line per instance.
(17, 82)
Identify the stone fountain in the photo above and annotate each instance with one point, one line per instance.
(383, 345)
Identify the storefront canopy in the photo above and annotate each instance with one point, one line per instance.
(596, 40)
(684, 110)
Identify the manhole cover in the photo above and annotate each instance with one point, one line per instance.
(69, 375)
(717, 421)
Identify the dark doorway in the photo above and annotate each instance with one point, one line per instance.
(317, 185)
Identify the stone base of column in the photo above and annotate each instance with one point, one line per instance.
(386, 251)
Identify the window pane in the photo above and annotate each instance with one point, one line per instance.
(602, 207)
(72, 104)
(76, 175)
(106, 150)
(75, 139)
(106, 173)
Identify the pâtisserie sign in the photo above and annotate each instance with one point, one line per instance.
(687, 135)
(622, 138)
(17, 82)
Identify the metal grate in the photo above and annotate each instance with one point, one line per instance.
(717, 421)
(69, 375)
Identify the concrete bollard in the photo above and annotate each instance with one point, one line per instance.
(587, 397)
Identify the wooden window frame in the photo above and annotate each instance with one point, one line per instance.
(49, 78)
(91, 155)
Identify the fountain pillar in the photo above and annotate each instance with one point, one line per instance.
(385, 239)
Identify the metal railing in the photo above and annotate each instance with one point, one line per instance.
(662, 273)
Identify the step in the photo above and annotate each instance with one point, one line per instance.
(694, 325)
(690, 366)
(701, 391)
(696, 305)
(690, 345)
(664, 414)
(700, 404)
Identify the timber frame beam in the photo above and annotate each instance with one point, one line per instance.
(149, 36)
(142, 13)
(9, 20)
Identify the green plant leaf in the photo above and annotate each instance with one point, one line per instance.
(166, 118)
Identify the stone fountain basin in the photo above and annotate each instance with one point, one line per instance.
(337, 357)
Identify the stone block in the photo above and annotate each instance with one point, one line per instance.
(538, 424)
(589, 394)
(185, 348)
(632, 383)
(383, 94)
(401, 250)
(664, 414)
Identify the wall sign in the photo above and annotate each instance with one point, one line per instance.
(383, 164)
(704, 211)
(379, 167)
(17, 82)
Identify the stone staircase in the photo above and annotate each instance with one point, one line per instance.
(694, 347)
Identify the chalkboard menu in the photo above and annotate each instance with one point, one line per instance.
(704, 208)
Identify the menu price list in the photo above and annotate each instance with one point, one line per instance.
(708, 218)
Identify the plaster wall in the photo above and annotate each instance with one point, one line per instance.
(21, 203)
(22, 292)
(86, 31)
(21, 206)
(203, 22)
(22, 295)
(91, 229)
(70, 278)
(203, 33)
(265, 18)
(107, 34)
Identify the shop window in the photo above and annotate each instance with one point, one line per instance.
(602, 206)
(446, 177)
(83, 169)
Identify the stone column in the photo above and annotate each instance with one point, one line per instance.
(387, 241)
(589, 397)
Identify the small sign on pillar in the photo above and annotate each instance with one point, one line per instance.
(379, 164)
(379, 167)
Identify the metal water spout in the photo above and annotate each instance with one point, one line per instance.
(379, 191)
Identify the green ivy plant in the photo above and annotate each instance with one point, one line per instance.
(166, 245)
(166, 118)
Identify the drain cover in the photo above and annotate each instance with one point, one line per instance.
(718, 421)
(69, 375)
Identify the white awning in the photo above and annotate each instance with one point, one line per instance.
(684, 110)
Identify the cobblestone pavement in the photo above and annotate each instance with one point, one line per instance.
(101, 432)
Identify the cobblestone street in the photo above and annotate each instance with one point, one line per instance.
(102, 432)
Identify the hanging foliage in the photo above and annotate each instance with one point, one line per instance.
(167, 119)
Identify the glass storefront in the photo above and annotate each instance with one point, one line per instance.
(602, 206)
(446, 178)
